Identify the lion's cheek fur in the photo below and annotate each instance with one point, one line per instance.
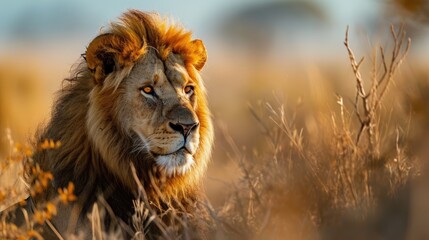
(206, 133)
(104, 136)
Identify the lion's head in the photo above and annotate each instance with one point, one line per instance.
(138, 98)
(147, 89)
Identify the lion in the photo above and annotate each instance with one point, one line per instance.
(135, 102)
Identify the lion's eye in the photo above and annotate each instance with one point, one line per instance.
(148, 90)
(189, 90)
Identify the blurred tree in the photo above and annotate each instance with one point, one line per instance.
(255, 25)
(417, 10)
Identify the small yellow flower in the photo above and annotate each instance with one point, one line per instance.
(48, 175)
(45, 144)
(38, 188)
(49, 144)
(51, 210)
(35, 170)
(41, 180)
(39, 216)
(45, 177)
(66, 194)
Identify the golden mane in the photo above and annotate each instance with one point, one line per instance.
(79, 159)
(137, 31)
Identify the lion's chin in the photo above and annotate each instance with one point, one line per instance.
(175, 164)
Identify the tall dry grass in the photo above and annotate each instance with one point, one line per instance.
(343, 174)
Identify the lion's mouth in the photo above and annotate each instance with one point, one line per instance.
(176, 163)
(180, 150)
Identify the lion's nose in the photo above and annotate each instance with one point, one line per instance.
(185, 129)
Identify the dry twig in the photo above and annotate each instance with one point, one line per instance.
(371, 99)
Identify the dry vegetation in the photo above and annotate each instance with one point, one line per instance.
(343, 175)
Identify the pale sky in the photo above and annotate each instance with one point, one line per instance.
(195, 14)
(37, 22)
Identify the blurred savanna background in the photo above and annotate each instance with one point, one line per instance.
(311, 143)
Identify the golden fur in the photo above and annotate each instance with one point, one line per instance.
(91, 121)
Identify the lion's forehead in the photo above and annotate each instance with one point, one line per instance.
(165, 76)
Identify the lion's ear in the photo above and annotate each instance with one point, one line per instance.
(102, 56)
(200, 53)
